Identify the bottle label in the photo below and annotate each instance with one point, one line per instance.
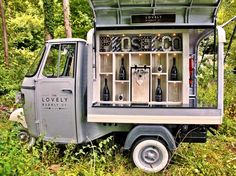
(122, 76)
(173, 76)
(158, 98)
(105, 97)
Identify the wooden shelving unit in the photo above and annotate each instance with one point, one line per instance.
(172, 90)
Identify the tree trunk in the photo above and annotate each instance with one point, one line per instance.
(66, 12)
(4, 33)
(48, 19)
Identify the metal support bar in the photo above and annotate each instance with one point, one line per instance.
(189, 10)
(161, 6)
(230, 42)
(228, 22)
(214, 58)
(221, 41)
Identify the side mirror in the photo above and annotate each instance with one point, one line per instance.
(234, 70)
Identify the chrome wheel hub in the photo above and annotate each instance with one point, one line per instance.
(150, 155)
(24, 136)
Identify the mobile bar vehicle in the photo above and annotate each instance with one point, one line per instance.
(136, 75)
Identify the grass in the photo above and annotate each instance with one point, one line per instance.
(216, 157)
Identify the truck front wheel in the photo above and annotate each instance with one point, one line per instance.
(26, 138)
(150, 155)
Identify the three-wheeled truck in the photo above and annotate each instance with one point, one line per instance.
(136, 75)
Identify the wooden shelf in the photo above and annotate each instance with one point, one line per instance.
(174, 102)
(165, 103)
(158, 103)
(106, 73)
(122, 81)
(173, 52)
(159, 74)
(174, 82)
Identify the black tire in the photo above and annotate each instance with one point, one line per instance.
(26, 138)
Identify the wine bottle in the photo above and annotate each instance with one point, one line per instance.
(190, 72)
(174, 72)
(122, 72)
(106, 94)
(158, 93)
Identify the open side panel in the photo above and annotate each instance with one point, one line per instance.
(120, 13)
(147, 56)
(124, 30)
(155, 49)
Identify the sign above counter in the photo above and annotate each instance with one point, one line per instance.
(157, 18)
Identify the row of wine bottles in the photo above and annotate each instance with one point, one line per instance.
(173, 76)
(122, 76)
(173, 73)
(158, 92)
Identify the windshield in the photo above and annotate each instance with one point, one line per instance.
(35, 65)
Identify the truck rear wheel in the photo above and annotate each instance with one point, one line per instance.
(150, 155)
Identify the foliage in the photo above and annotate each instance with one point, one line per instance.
(230, 91)
(84, 24)
(207, 84)
(227, 11)
(216, 157)
(26, 32)
(15, 158)
(49, 16)
(26, 36)
(40, 158)
(102, 157)
(81, 18)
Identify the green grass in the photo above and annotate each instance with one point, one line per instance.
(216, 157)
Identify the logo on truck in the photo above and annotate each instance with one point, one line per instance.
(58, 102)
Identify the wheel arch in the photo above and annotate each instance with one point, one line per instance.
(150, 131)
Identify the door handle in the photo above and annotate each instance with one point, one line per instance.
(67, 91)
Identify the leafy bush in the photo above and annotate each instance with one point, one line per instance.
(11, 77)
(48, 157)
(26, 31)
(15, 158)
(216, 157)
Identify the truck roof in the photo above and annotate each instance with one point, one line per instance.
(155, 13)
(66, 40)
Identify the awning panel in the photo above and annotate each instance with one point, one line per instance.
(118, 13)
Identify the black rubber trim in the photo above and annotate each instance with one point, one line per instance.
(99, 28)
(28, 87)
(150, 131)
(143, 105)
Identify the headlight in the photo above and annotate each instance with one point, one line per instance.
(20, 98)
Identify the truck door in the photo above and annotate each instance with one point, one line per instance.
(55, 93)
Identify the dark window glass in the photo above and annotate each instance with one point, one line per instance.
(67, 60)
(50, 68)
(60, 61)
(35, 65)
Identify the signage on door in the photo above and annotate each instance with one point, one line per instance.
(58, 102)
